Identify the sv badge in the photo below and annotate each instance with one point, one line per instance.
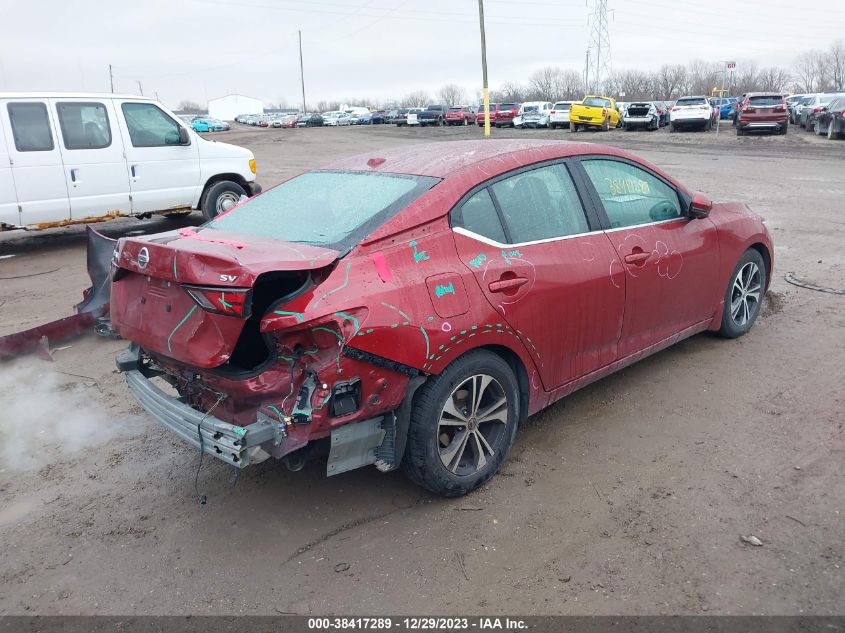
(229, 278)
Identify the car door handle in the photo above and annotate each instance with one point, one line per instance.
(637, 258)
(132, 171)
(503, 285)
(73, 175)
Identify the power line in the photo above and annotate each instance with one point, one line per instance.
(597, 69)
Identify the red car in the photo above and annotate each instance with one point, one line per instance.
(479, 115)
(505, 113)
(762, 111)
(413, 308)
(460, 115)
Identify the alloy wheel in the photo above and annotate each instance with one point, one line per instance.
(473, 424)
(745, 294)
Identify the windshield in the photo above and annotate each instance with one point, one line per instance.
(765, 100)
(597, 102)
(324, 208)
(692, 101)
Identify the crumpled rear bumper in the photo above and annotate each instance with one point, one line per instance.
(235, 445)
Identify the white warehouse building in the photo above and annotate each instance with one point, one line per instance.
(230, 106)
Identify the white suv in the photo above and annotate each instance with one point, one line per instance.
(691, 112)
(559, 114)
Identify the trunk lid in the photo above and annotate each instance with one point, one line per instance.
(179, 293)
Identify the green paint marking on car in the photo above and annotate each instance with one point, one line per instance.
(178, 325)
(441, 290)
(419, 256)
(298, 315)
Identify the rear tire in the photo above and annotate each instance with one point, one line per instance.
(573, 127)
(450, 450)
(605, 126)
(221, 197)
(744, 295)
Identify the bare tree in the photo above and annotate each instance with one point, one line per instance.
(669, 81)
(772, 79)
(836, 64)
(543, 83)
(808, 71)
(190, 107)
(635, 85)
(570, 85)
(415, 99)
(701, 77)
(452, 94)
(511, 91)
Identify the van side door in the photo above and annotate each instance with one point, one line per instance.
(37, 168)
(9, 214)
(163, 173)
(92, 152)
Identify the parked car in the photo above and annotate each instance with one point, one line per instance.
(791, 102)
(762, 111)
(724, 106)
(362, 118)
(434, 114)
(459, 115)
(641, 114)
(533, 114)
(691, 112)
(811, 110)
(208, 125)
(368, 320)
(330, 117)
(479, 114)
(309, 119)
(505, 113)
(413, 116)
(663, 109)
(596, 112)
(379, 117)
(831, 120)
(68, 158)
(559, 114)
(290, 121)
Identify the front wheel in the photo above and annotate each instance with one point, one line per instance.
(221, 197)
(463, 424)
(744, 295)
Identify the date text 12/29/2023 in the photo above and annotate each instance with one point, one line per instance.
(428, 623)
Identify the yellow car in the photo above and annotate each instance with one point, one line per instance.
(600, 112)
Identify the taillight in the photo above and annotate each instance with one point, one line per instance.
(817, 109)
(778, 109)
(842, 114)
(229, 301)
(552, 112)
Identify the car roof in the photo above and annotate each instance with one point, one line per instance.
(446, 158)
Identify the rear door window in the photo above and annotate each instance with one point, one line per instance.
(540, 204)
(30, 127)
(479, 215)
(630, 195)
(84, 125)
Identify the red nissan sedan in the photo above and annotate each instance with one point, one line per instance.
(411, 309)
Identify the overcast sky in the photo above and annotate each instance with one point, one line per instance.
(200, 49)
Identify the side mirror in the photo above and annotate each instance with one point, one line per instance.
(700, 206)
(184, 139)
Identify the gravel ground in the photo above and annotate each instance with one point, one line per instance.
(628, 497)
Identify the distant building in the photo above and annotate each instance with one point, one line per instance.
(230, 106)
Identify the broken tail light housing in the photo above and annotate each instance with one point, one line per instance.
(229, 301)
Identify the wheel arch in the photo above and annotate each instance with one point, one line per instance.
(213, 180)
(767, 260)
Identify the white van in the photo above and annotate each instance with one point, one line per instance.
(68, 158)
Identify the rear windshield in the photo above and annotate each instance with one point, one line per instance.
(530, 108)
(766, 100)
(562, 106)
(507, 106)
(455, 109)
(325, 208)
(692, 101)
(433, 108)
(597, 102)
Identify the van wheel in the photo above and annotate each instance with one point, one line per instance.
(221, 197)
(463, 424)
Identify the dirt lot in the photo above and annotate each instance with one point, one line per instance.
(629, 497)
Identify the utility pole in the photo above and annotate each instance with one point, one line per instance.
(140, 89)
(485, 86)
(587, 73)
(302, 72)
(111, 78)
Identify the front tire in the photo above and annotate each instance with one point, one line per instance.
(221, 197)
(744, 295)
(463, 424)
